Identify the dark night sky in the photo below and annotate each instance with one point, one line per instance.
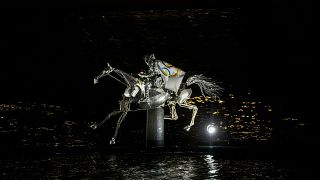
(47, 55)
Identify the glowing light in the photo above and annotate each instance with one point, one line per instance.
(211, 129)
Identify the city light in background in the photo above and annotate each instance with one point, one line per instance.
(234, 118)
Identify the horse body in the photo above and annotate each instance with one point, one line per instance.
(152, 91)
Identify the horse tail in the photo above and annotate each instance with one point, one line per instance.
(206, 85)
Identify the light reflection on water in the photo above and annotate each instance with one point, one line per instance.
(212, 166)
(147, 166)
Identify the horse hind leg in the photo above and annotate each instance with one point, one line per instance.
(173, 112)
(194, 113)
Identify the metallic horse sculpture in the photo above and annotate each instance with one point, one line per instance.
(160, 86)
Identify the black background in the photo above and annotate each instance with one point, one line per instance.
(52, 52)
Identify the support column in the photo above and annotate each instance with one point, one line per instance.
(155, 127)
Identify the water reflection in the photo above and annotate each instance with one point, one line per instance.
(212, 166)
(148, 166)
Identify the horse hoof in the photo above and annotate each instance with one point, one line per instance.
(112, 141)
(187, 128)
(94, 126)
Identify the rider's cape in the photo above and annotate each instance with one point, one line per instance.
(172, 76)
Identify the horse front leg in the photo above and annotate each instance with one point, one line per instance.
(121, 118)
(124, 105)
(96, 125)
(124, 108)
(194, 113)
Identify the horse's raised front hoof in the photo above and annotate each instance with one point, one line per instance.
(112, 141)
(187, 128)
(93, 126)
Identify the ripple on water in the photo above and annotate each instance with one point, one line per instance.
(149, 166)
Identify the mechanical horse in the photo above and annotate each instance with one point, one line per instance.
(159, 87)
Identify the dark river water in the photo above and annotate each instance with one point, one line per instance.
(35, 145)
(150, 165)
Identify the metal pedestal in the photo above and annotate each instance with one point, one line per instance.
(155, 128)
